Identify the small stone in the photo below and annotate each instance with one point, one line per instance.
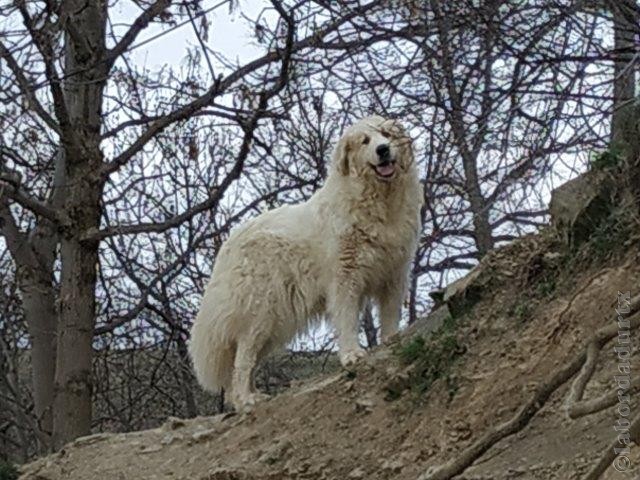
(91, 439)
(394, 466)
(173, 423)
(276, 453)
(151, 449)
(170, 438)
(357, 472)
(364, 405)
(204, 435)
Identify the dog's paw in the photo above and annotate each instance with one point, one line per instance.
(351, 357)
(247, 403)
(390, 338)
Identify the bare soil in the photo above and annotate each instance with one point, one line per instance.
(343, 426)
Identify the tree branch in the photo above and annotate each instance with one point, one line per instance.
(27, 89)
(138, 25)
(221, 85)
(10, 188)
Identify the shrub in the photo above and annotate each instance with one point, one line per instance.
(8, 471)
(430, 359)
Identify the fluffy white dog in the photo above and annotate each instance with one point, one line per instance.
(352, 240)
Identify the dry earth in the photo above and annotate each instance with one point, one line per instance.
(342, 426)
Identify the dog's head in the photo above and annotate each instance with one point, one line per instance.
(374, 148)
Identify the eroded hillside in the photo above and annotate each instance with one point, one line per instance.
(515, 380)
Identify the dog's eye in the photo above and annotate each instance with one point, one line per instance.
(366, 140)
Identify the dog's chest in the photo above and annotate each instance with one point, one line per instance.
(378, 246)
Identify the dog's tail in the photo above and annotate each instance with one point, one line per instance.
(212, 352)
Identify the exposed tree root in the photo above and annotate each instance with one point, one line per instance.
(587, 407)
(610, 454)
(561, 326)
(583, 363)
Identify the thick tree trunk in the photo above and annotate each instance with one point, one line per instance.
(85, 52)
(72, 407)
(34, 257)
(76, 316)
(39, 309)
(625, 121)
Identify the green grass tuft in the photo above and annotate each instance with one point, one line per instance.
(609, 236)
(606, 160)
(431, 359)
(8, 471)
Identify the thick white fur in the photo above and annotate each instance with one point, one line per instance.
(352, 240)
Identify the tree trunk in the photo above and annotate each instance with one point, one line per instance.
(34, 257)
(413, 299)
(72, 407)
(625, 121)
(39, 309)
(76, 316)
(186, 378)
(85, 52)
(370, 330)
(482, 231)
(623, 132)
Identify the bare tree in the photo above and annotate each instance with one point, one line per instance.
(63, 81)
(118, 185)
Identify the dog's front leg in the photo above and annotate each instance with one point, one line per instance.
(344, 309)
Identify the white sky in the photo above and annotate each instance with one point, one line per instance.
(229, 34)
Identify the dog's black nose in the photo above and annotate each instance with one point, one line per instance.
(383, 151)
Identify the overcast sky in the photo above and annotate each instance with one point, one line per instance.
(229, 34)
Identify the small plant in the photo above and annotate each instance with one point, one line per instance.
(350, 375)
(546, 286)
(452, 386)
(8, 471)
(430, 359)
(609, 236)
(606, 160)
(521, 312)
(412, 350)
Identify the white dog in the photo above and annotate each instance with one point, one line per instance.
(279, 272)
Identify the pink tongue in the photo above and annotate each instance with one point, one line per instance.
(385, 170)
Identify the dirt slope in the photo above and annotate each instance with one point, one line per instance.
(534, 315)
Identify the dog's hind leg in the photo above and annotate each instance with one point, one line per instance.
(243, 393)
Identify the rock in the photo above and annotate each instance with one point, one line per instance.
(397, 384)
(151, 449)
(465, 292)
(578, 206)
(364, 405)
(357, 472)
(276, 453)
(430, 323)
(393, 466)
(459, 431)
(91, 439)
(170, 438)
(204, 435)
(173, 423)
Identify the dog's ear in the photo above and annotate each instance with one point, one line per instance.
(407, 157)
(341, 156)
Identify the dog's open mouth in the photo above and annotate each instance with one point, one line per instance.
(385, 170)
